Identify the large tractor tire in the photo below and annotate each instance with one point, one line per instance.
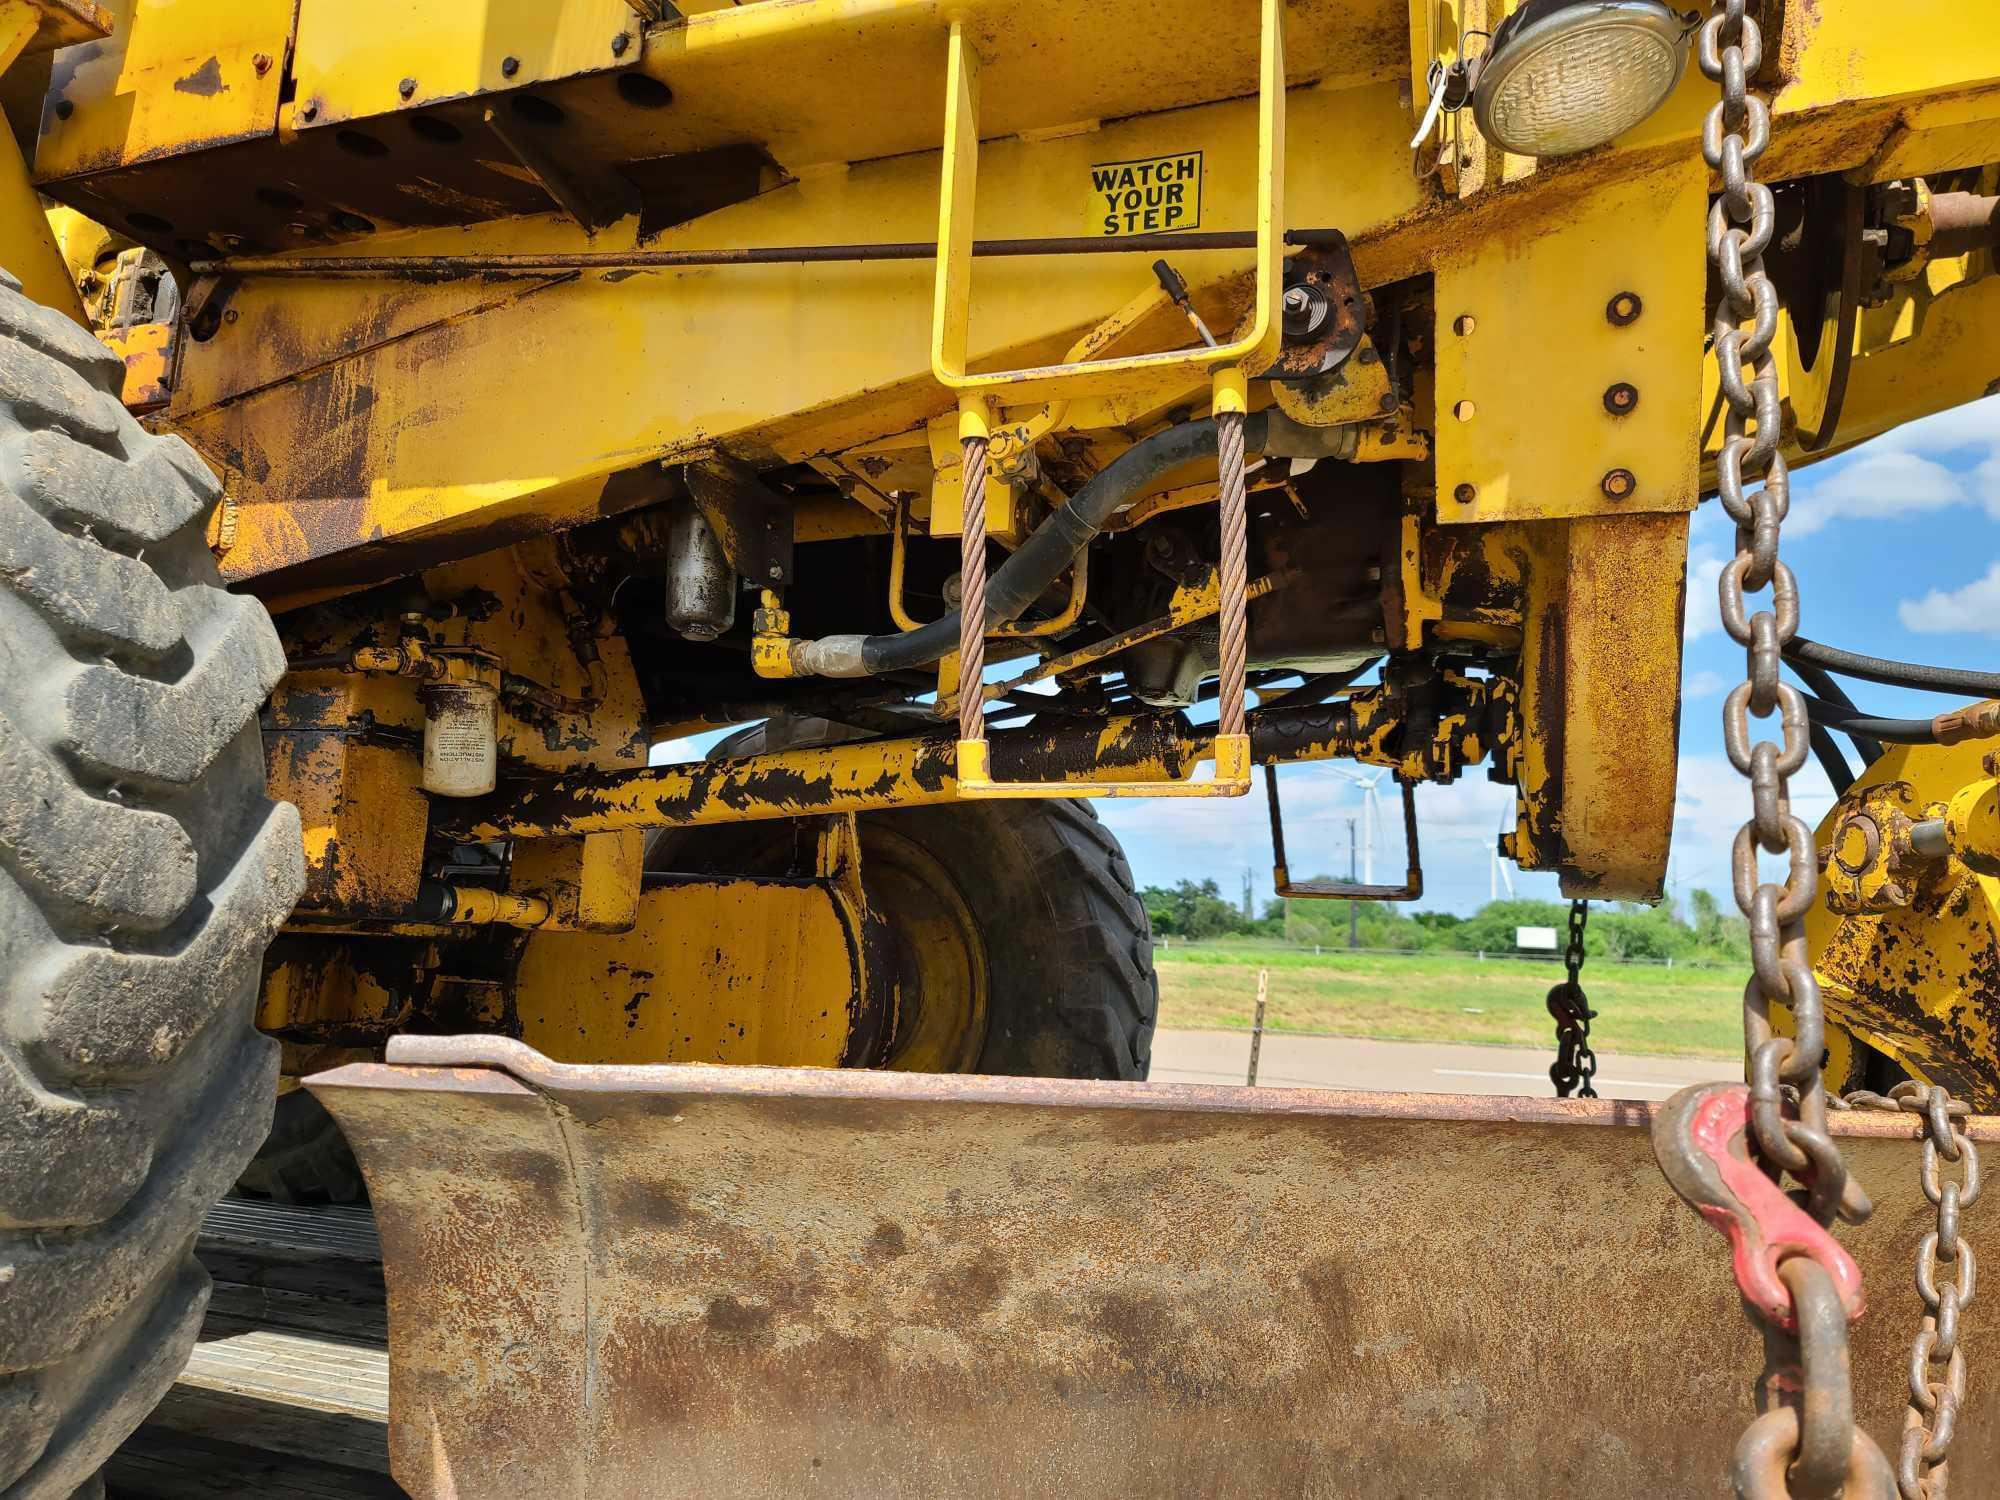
(1022, 945)
(305, 1158)
(142, 873)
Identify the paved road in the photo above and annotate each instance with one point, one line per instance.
(1409, 1067)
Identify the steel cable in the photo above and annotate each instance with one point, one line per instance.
(972, 593)
(1235, 580)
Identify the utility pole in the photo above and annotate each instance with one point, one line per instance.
(1353, 907)
(1248, 914)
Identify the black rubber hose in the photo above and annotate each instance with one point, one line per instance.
(1851, 721)
(1902, 674)
(1870, 750)
(1053, 546)
(1826, 750)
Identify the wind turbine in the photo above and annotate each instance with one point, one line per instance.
(1371, 815)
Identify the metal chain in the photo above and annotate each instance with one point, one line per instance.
(1575, 1063)
(1946, 1277)
(1788, 1137)
(972, 592)
(1233, 584)
(1739, 230)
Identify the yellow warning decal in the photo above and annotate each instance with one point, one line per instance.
(1153, 195)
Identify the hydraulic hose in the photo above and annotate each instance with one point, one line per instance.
(1822, 683)
(1053, 545)
(1903, 674)
(1851, 721)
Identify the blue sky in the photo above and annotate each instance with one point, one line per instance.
(1897, 550)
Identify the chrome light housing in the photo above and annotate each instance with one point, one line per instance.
(1565, 75)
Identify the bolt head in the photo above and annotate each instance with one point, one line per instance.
(1621, 399)
(509, 66)
(1623, 310)
(1464, 324)
(619, 43)
(260, 64)
(1619, 484)
(64, 109)
(1465, 494)
(407, 87)
(309, 110)
(1387, 402)
(775, 571)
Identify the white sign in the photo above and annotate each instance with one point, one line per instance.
(1535, 939)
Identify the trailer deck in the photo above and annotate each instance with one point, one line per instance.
(287, 1395)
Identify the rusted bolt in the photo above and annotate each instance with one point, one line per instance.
(1465, 494)
(509, 66)
(1368, 356)
(64, 109)
(1619, 484)
(1386, 402)
(260, 63)
(309, 110)
(1622, 399)
(1464, 324)
(1624, 309)
(407, 87)
(776, 571)
(231, 315)
(619, 43)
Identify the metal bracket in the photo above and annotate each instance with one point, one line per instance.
(1412, 888)
(753, 524)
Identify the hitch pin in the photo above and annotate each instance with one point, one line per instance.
(1175, 288)
(1701, 1137)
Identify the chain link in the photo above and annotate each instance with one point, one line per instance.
(1787, 1090)
(1575, 1063)
(1947, 1275)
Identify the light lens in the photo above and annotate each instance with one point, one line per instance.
(1576, 77)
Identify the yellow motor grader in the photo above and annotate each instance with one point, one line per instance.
(412, 415)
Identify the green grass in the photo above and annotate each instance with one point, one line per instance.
(1433, 997)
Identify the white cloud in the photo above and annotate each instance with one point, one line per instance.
(1974, 425)
(1878, 483)
(1704, 575)
(1712, 801)
(1703, 685)
(1971, 610)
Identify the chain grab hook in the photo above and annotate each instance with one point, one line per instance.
(1805, 1445)
(1946, 1277)
(1575, 1063)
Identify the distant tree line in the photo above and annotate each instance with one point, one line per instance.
(1197, 910)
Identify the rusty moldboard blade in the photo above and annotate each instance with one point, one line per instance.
(705, 1281)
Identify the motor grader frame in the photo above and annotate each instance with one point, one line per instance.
(583, 376)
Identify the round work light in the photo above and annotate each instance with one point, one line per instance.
(1566, 75)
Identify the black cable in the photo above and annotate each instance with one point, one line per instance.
(1851, 721)
(1826, 750)
(1902, 674)
(1870, 750)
